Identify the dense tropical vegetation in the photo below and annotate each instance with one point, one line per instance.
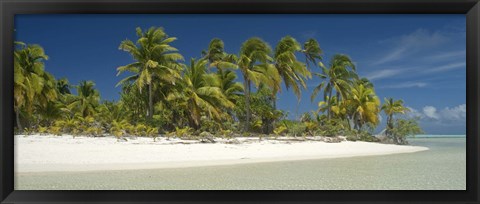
(219, 93)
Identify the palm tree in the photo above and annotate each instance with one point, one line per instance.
(365, 82)
(365, 105)
(200, 96)
(338, 76)
(50, 112)
(49, 91)
(63, 86)
(224, 78)
(110, 111)
(134, 101)
(215, 51)
(155, 60)
(390, 108)
(87, 99)
(293, 72)
(31, 82)
(312, 52)
(254, 63)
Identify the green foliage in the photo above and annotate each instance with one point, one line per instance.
(257, 125)
(280, 130)
(311, 128)
(360, 135)
(120, 128)
(333, 127)
(140, 130)
(33, 87)
(209, 125)
(295, 128)
(55, 130)
(226, 133)
(42, 130)
(164, 95)
(183, 132)
(390, 108)
(152, 132)
(94, 131)
(405, 127)
(155, 61)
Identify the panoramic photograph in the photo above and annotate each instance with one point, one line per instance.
(239, 102)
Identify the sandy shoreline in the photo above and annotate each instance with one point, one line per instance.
(50, 153)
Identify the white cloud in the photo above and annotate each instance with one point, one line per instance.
(384, 73)
(406, 85)
(431, 112)
(445, 115)
(414, 113)
(406, 45)
(447, 55)
(447, 67)
(457, 113)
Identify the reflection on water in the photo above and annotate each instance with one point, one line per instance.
(442, 167)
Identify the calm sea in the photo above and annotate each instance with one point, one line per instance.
(443, 167)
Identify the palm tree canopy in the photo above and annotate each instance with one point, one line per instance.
(336, 77)
(199, 94)
(312, 51)
(255, 63)
(30, 79)
(391, 106)
(154, 56)
(63, 86)
(293, 72)
(87, 99)
(366, 103)
(215, 51)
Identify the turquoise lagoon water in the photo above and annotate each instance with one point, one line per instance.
(443, 167)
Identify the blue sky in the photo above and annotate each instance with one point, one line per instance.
(417, 58)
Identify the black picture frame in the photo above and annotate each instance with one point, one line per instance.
(8, 8)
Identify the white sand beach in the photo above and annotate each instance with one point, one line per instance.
(49, 153)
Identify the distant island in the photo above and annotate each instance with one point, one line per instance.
(215, 97)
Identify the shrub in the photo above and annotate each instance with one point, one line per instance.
(42, 130)
(140, 130)
(297, 129)
(55, 130)
(183, 132)
(281, 129)
(152, 132)
(311, 127)
(94, 131)
(332, 127)
(226, 133)
(403, 128)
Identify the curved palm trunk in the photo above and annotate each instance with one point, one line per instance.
(271, 124)
(390, 127)
(19, 125)
(150, 102)
(329, 104)
(246, 86)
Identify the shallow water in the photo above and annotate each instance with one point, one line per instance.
(443, 167)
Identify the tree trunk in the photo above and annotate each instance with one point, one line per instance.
(150, 102)
(246, 86)
(273, 121)
(329, 104)
(389, 125)
(17, 116)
